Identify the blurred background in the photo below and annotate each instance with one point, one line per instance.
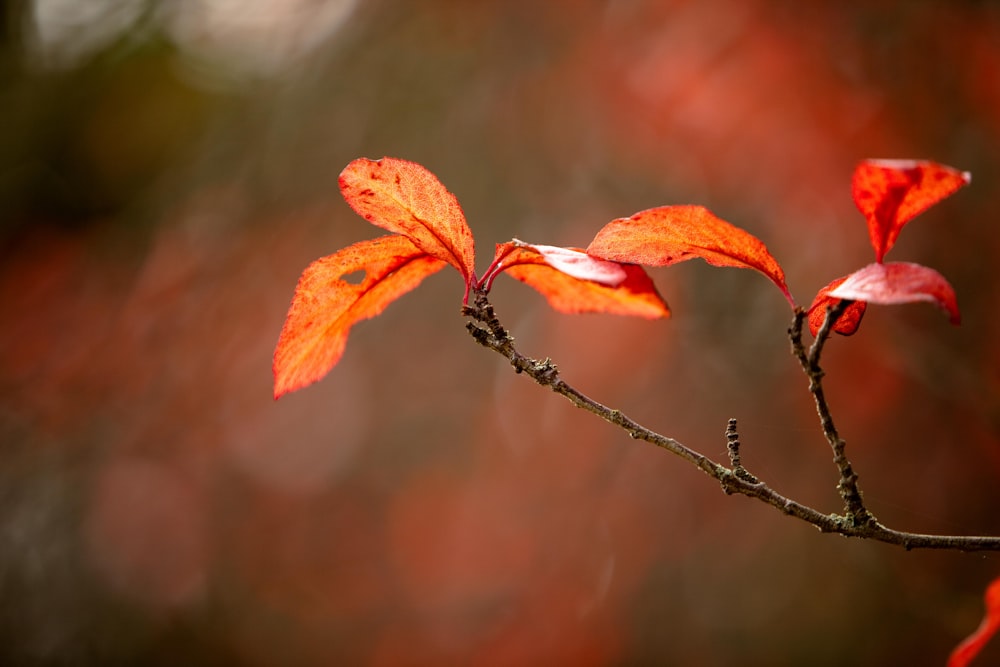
(167, 169)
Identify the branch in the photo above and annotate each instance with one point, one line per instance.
(487, 330)
(854, 505)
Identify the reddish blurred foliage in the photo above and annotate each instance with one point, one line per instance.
(53, 286)
(458, 546)
(965, 652)
(702, 92)
(147, 530)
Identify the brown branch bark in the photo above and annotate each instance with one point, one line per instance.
(857, 521)
(854, 505)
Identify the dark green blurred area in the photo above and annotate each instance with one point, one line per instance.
(168, 169)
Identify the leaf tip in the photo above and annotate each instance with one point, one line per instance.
(971, 646)
(281, 384)
(405, 198)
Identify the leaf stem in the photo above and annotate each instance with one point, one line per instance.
(487, 330)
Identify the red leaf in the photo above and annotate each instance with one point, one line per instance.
(405, 198)
(890, 193)
(849, 320)
(899, 282)
(973, 644)
(672, 234)
(574, 282)
(325, 306)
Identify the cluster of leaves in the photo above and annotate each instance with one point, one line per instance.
(429, 231)
(890, 193)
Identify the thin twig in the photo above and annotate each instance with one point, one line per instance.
(487, 331)
(854, 506)
(733, 447)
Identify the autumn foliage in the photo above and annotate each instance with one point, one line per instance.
(429, 231)
(671, 234)
(326, 305)
(408, 200)
(890, 193)
(574, 282)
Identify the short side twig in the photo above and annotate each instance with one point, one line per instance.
(854, 505)
(735, 461)
(487, 330)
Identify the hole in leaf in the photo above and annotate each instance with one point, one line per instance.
(354, 277)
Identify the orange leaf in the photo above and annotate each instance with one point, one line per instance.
(973, 644)
(672, 234)
(890, 193)
(325, 306)
(849, 320)
(573, 282)
(899, 282)
(403, 197)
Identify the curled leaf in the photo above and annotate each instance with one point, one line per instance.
(974, 643)
(574, 262)
(573, 282)
(890, 193)
(671, 234)
(325, 306)
(849, 320)
(899, 282)
(405, 198)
